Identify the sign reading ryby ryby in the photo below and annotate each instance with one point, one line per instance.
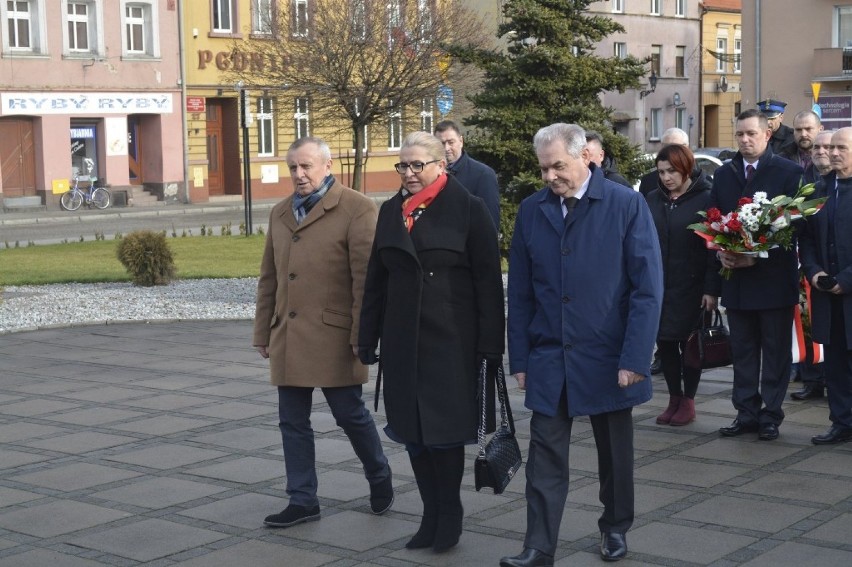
(41, 103)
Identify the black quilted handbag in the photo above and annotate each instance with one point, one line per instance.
(499, 459)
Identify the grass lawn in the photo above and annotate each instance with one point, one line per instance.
(95, 261)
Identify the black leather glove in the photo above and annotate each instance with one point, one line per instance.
(367, 355)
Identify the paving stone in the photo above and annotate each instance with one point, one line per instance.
(244, 438)
(95, 416)
(12, 496)
(148, 539)
(82, 442)
(646, 498)
(29, 408)
(166, 402)
(829, 461)
(259, 554)
(473, 549)
(55, 518)
(837, 530)
(688, 473)
(45, 557)
(798, 555)
(757, 453)
(75, 476)
(234, 390)
(158, 492)
(233, 410)
(105, 394)
(174, 382)
(746, 513)
(246, 470)
(162, 425)
(576, 523)
(354, 530)
(166, 456)
(244, 511)
(814, 414)
(6, 544)
(332, 451)
(800, 487)
(10, 459)
(683, 543)
(660, 440)
(12, 432)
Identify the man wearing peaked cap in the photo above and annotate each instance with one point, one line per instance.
(782, 141)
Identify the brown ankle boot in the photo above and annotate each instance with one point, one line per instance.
(665, 417)
(685, 413)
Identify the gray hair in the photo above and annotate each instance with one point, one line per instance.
(318, 142)
(675, 136)
(571, 135)
(427, 141)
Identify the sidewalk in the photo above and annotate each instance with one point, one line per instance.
(157, 445)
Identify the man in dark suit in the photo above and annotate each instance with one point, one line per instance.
(585, 293)
(476, 177)
(826, 252)
(600, 157)
(761, 294)
(782, 140)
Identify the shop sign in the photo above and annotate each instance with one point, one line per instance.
(836, 111)
(195, 104)
(41, 103)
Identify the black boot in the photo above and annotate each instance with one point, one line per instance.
(424, 472)
(449, 464)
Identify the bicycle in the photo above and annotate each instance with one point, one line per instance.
(72, 199)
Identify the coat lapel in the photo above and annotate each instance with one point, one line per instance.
(551, 208)
(391, 231)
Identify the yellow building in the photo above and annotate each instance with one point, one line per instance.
(721, 32)
(223, 35)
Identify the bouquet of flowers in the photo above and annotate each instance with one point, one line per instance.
(757, 225)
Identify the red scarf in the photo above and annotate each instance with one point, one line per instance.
(414, 205)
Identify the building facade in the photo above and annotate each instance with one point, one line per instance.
(722, 39)
(89, 88)
(799, 53)
(668, 33)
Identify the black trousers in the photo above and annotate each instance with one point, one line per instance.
(547, 474)
(838, 362)
(761, 346)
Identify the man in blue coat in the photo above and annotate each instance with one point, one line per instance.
(760, 295)
(479, 179)
(585, 293)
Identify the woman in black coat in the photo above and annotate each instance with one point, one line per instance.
(433, 296)
(690, 274)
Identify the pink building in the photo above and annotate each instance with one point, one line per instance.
(90, 88)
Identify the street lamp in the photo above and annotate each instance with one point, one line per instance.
(652, 83)
(245, 121)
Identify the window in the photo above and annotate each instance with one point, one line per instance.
(359, 19)
(680, 118)
(680, 8)
(140, 25)
(265, 127)
(223, 16)
(424, 19)
(618, 6)
(261, 17)
(300, 18)
(24, 31)
(78, 26)
(427, 114)
(721, 54)
(738, 51)
(655, 7)
(364, 135)
(680, 58)
(395, 30)
(302, 118)
(843, 28)
(656, 54)
(656, 123)
(82, 27)
(619, 49)
(394, 125)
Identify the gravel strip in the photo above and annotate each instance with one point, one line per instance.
(25, 308)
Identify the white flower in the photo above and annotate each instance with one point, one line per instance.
(760, 198)
(779, 223)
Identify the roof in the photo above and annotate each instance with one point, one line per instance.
(724, 5)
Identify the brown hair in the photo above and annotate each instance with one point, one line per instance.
(680, 157)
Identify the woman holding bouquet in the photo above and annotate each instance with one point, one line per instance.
(690, 276)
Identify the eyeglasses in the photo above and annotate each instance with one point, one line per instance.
(416, 166)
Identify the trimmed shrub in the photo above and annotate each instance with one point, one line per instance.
(147, 258)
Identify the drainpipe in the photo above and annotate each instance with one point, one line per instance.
(757, 38)
(185, 124)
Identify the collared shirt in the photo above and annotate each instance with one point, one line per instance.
(579, 194)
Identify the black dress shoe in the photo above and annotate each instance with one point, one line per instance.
(528, 558)
(613, 546)
(809, 392)
(738, 428)
(768, 432)
(835, 434)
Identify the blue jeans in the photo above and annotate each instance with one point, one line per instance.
(347, 407)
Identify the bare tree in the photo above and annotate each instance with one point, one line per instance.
(358, 61)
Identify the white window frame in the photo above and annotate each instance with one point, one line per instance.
(618, 6)
(218, 8)
(680, 118)
(36, 28)
(427, 114)
(619, 49)
(301, 18)
(301, 117)
(95, 29)
(655, 7)
(841, 13)
(680, 8)
(394, 126)
(151, 29)
(721, 49)
(265, 126)
(656, 124)
(738, 52)
(262, 16)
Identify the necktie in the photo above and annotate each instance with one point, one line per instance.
(749, 171)
(569, 203)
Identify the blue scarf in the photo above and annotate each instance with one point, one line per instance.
(302, 204)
